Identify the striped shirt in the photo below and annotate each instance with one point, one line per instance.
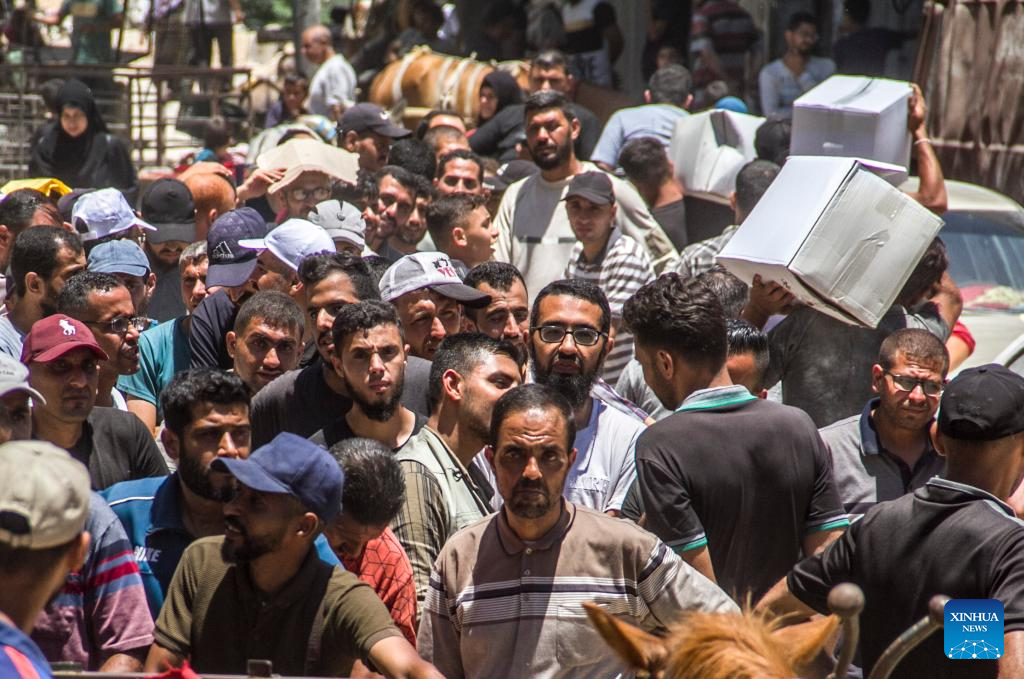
(623, 268)
(699, 257)
(101, 611)
(501, 607)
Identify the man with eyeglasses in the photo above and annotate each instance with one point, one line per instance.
(104, 304)
(886, 451)
(304, 401)
(127, 262)
(304, 193)
(798, 70)
(63, 360)
(569, 341)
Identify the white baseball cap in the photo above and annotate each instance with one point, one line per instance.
(432, 270)
(98, 214)
(292, 241)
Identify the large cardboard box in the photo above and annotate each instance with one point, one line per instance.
(836, 234)
(854, 117)
(709, 148)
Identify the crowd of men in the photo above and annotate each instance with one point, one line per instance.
(390, 407)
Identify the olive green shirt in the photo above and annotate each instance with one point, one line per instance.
(215, 617)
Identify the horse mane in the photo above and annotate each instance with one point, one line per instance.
(742, 646)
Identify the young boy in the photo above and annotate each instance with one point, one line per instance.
(605, 256)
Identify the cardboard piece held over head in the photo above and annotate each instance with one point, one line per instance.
(709, 149)
(854, 117)
(308, 155)
(835, 234)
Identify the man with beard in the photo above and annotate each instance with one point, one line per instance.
(234, 269)
(429, 295)
(35, 561)
(303, 401)
(798, 70)
(42, 260)
(444, 491)
(738, 486)
(206, 413)
(103, 303)
(886, 451)
(63, 360)
(266, 341)
(369, 357)
(533, 225)
(260, 589)
(569, 341)
(397, 192)
(542, 553)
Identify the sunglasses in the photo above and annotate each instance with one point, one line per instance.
(554, 334)
(907, 384)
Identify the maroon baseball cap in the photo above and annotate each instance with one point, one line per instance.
(53, 336)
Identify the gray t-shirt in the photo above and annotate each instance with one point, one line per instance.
(633, 387)
(825, 364)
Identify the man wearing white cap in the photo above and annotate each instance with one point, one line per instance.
(44, 502)
(15, 410)
(343, 222)
(105, 215)
(282, 249)
(429, 294)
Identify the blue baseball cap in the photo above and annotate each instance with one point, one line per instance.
(734, 104)
(291, 465)
(230, 263)
(119, 256)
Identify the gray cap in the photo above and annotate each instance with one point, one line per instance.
(14, 377)
(432, 270)
(341, 221)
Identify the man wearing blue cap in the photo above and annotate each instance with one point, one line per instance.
(125, 260)
(260, 591)
(233, 268)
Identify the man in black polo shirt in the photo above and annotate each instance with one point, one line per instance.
(955, 536)
(738, 486)
(886, 451)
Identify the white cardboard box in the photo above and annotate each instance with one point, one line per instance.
(854, 117)
(836, 234)
(709, 148)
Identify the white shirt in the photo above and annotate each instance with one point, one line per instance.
(605, 465)
(334, 83)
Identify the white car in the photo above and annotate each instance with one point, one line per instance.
(984, 234)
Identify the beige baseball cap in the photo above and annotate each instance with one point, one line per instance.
(44, 499)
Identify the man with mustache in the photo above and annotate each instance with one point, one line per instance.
(304, 401)
(43, 258)
(886, 451)
(444, 490)
(206, 413)
(369, 357)
(569, 341)
(266, 341)
(533, 226)
(429, 294)
(541, 553)
(102, 302)
(260, 589)
(63, 360)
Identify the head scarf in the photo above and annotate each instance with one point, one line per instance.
(73, 159)
(505, 87)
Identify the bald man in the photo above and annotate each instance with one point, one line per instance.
(333, 88)
(213, 195)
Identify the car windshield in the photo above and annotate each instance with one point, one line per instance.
(986, 258)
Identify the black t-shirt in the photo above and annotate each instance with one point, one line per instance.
(864, 52)
(748, 478)
(497, 137)
(211, 322)
(945, 538)
(672, 219)
(116, 447)
(338, 430)
(301, 402)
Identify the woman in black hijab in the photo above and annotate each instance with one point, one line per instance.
(498, 90)
(77, 149)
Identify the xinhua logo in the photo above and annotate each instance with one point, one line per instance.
(973, 629)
